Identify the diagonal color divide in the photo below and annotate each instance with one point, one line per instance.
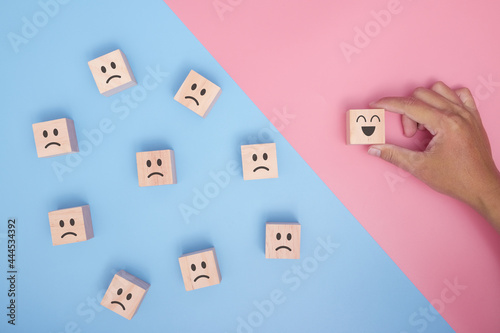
(322, 58)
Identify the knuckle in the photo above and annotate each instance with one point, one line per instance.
(389, 155)
(410, 101)
(466, 91)
(454, 122)
(418, 91)
(438, 85)
(467, 116)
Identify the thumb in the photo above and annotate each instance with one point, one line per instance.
(406, 159)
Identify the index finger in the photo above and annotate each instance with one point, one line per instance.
(413, 108)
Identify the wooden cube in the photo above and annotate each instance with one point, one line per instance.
(55, 137)
(198, 94)
(282, 240)
(365, 127)
(125, 294)
(259, 161)
(71, 225)
(156, 168)
(200, 269)
(112, 73)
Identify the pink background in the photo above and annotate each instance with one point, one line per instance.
(286, 55)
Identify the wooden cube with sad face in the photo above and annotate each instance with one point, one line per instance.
(112, 73)
(282, 240)
(125, 294)
(156, 168)
(198, 94)
(55, 137)
(200, 269)
(71, 225)
(259, 161)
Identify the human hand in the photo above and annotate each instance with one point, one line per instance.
(458, 160)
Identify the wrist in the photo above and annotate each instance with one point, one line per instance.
(489, 203)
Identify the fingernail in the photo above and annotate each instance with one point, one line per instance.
(374, 151)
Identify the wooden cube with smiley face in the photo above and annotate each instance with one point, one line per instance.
(156, 168)
(282, 240)
(125, 294)
(200, 269)
(112, 73)
(365, 127)
(198, 94)
(259, 161)
(55, 137)
(71, 225)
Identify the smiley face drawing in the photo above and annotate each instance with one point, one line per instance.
(125, 294)
(198, 94)
(55, 137)
(282, 240)
(71, 225)
(112, 73)
(259, 161)
(368, 130)
(156, 168)
(366, 126)
(200, 269)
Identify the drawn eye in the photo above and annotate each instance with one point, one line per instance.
(203, 265)
(264, 156)
(375, 116)
(193, 267)
(61, 223)
(103, 69)
(148, 163)
(45, 134)
(193, 87)
(129, 296)
(361, 117)
(254, 157)
(55, 131)
(158, 162)
(119, 291)
(72, 222)
(203, 91)
(278, 236)
(289, 236)
(113, 65)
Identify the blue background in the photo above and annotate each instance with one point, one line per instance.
(357, 288)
